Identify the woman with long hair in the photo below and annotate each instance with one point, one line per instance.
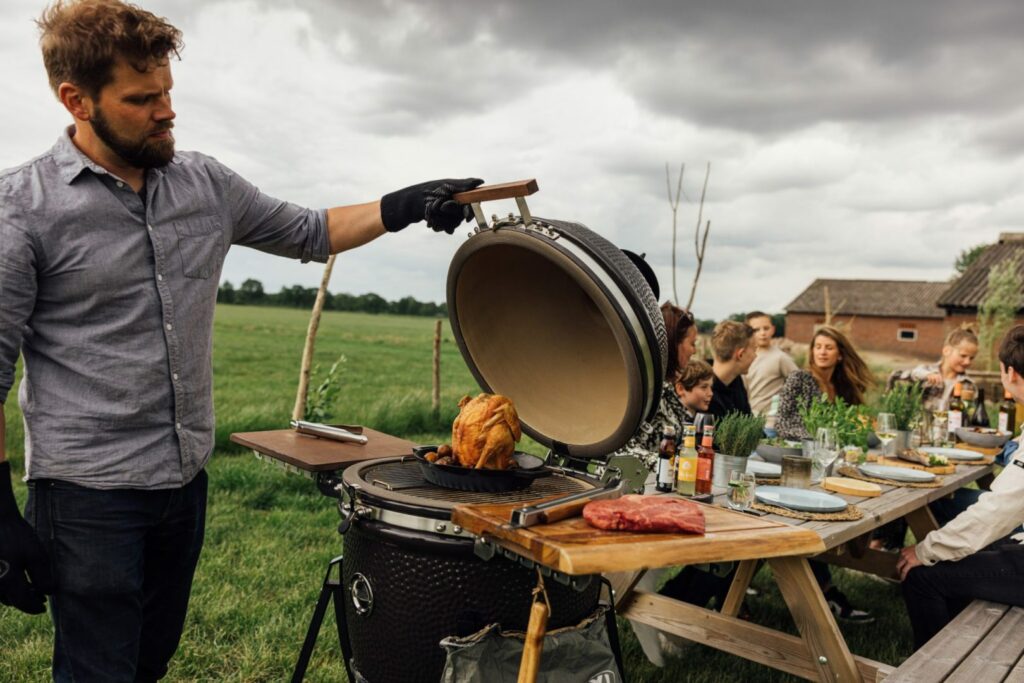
(681, 334)
(834, 369)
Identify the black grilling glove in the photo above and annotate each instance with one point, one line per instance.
(431, 201)
(21, 553)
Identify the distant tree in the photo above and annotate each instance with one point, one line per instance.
(706, 326)
(998, 309)
(297, 296)
(779, 320)
(251, 292)
(372, 303)
(968, 257)
(226, 293)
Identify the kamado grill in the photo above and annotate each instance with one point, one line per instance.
(561, 321)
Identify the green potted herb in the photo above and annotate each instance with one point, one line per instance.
(851, 423)
(736, 437)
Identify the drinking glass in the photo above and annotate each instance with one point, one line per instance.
(796, 471)
(826, 450)
(886, 430)
(741, 489)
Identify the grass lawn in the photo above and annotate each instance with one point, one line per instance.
(270, 535)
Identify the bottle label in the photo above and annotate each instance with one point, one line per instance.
(1004, 421)
(687, 469)
(704, 469)
(956, 420)
(665, 473)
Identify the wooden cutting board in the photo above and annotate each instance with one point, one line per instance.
(312, 454)
(574, 547)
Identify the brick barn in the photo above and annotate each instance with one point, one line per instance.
(900, 316)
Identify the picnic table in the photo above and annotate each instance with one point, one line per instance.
(819, 653)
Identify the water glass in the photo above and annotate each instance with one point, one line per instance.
(741, 489)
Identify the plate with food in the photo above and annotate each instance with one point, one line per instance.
(772, 450)
(952, 453)
(800, 499)
(892, 473)
(482, 456)
(982, 437)
(923, 456)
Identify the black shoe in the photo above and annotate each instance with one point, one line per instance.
(842, 609)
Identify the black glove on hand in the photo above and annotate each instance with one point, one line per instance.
(432, 201)
(21, 552)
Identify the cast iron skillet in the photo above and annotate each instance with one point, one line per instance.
(483, 480)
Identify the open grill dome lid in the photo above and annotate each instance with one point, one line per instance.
(562, 322)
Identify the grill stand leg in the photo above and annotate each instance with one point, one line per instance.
(331, 588)
(612, 627)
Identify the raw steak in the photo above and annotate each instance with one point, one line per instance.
(645, 513)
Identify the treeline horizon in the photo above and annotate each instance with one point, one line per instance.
(251, 293)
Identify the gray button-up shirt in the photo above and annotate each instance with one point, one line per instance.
(111, 299)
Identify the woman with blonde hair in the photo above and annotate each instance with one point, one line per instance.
(938, 379)
(834, 368)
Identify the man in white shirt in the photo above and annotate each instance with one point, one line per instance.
(771, 367)
(973, 557)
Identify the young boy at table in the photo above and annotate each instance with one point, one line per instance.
(973, 557)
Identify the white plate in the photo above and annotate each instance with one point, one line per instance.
(906, 474)
(800, 499)
(767, 470)
(952, 453)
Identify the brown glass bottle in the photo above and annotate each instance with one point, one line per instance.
(1007, 414)
(980, 416)
(706, 459)
(955, 415)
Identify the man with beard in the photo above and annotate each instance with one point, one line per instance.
(111, 249)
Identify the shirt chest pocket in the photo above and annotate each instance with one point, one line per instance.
(200, 246)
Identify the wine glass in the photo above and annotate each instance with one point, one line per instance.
(741, 489)
(886, 430)
(826, 450)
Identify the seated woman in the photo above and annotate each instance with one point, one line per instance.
(694, 388)
(681, 331)
(958, 352)
(834, 369)
(977, 555)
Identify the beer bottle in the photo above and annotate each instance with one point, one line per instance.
(666, 477)
(706, 459)
(1007, 414)
(955, 414)
(980, 417)
(686, 463)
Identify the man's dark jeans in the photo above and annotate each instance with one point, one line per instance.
(124, 561)
(936, 594)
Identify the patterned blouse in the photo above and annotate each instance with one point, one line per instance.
(799, 390)
(644, 444)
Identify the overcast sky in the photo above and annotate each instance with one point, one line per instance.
(860, 140)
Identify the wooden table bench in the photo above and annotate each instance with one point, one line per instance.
(984, 644)
(820, 652)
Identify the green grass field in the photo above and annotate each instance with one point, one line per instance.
(270, 534)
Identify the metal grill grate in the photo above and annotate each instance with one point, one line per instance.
(404, 477)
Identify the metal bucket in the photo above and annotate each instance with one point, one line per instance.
(724, 464)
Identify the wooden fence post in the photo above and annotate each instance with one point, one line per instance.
(299, 411)
(435, 402)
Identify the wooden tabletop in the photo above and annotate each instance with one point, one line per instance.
(894, 503)
(574, 547)
(313, 454)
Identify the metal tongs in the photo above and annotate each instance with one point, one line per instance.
(346, 433)
(566, 506)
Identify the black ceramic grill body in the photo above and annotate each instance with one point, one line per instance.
(559, 319)
(407, 588)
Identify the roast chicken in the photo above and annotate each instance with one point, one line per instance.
(485, 432)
